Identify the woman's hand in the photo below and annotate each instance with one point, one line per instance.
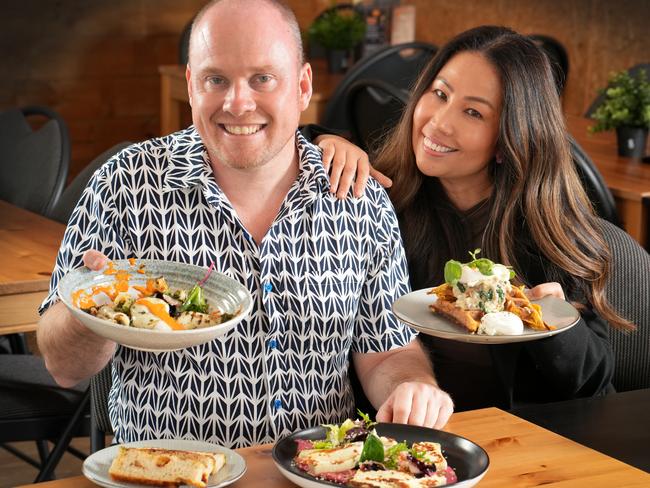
(545, 289)
(346, 164)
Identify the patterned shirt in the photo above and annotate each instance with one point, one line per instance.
(323, 281)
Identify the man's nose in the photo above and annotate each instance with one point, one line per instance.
(239, 99)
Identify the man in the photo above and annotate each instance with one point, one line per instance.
(242, 188)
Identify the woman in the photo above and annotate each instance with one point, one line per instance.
(481, 159)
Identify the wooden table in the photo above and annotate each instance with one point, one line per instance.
(521, 454)
(617, 425)
(173, 95)
(28, 247)
(628, 179)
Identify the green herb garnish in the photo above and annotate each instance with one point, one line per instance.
(454, 269)
(373, 449)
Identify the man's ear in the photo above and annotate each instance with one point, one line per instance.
(305, 86)
(188, 78)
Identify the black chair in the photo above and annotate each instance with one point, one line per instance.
(373, 107)
(100, 423)
(34, 408)
(398, 65)
(68, 200)
(594, 184)
(558, 57)
(33, 163)
(628, 289)
(634, 72)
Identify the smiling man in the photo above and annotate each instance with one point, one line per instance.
(244, 189)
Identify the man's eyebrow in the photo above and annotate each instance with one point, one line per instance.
(470, 98)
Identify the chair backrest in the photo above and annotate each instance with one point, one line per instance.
(594, 184)
(100, 387)
(557, 55)
(398, 65)
(373, 107)
(628, 290)
(72, 193)
(634, 71)
(33, 163)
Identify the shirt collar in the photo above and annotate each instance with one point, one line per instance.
(188, 161)
(189, 164)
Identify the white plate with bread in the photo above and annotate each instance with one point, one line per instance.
(165, 462)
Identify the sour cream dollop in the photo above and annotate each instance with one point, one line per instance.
(501, 323)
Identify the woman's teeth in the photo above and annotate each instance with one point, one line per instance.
(437, 147)
(240, 130)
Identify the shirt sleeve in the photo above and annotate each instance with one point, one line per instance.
(376, 327)
(94, 224)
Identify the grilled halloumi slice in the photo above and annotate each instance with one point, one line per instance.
(431, 453)
(142, 318)
(380, 479)
(107, 313)
(318, 461)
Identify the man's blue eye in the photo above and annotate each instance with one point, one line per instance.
(216, 81)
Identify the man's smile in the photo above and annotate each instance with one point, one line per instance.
(242, 130)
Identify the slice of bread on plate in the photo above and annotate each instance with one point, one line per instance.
(165, 467)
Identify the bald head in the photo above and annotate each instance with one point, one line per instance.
(247, 7)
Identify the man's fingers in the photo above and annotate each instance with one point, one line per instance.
(402, 408)
(94, 260)
(381, 178)
(446, 409)
(385, 412)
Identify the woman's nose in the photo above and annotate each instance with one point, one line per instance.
(442, 120)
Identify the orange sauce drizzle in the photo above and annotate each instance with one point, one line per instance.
(132, 261)
(110, 269)
(158, 309)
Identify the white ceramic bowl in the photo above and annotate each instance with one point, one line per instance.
(221, 292)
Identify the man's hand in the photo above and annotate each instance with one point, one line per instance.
(94, 260)
(417, 404)
(347, 164)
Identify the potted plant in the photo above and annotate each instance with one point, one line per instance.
(338, 30)
(626, 108)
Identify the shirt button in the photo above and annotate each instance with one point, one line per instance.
(277, 404)
(268, 287)
(273, 344)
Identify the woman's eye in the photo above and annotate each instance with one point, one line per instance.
(440, 94)
(473, 113)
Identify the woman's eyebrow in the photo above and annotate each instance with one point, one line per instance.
(470, 98)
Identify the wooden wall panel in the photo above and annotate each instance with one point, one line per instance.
(96, 61)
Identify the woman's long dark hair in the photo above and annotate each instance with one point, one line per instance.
(537, 194)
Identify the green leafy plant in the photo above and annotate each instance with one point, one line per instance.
(626, 104)
(338, 29)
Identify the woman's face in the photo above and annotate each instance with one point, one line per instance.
(456, 122)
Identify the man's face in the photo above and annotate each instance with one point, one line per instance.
(245, 83)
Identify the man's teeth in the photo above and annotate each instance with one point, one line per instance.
(242, 129)
(436, 147)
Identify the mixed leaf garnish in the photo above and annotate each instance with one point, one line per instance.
(454, 269)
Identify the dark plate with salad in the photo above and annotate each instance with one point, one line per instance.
(361, 453)
(155, 305)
